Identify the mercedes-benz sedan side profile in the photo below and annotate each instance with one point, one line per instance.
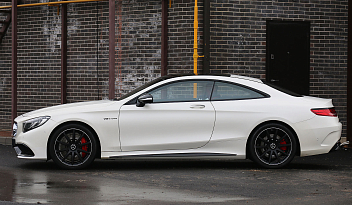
(195, 116)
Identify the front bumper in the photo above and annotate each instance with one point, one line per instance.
(31, 144)
(21, 149)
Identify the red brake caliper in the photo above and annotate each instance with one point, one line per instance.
(283, 142)
(85, 147)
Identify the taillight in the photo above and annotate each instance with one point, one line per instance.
(325, 112)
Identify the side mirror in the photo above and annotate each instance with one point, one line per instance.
(144, 99)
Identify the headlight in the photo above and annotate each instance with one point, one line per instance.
(14, 129)
(34, 123)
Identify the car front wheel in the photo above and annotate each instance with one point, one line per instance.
(73, 146)
(272, 146)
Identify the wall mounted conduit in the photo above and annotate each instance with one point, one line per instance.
(50, 3)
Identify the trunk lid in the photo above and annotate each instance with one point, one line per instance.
(318, 102)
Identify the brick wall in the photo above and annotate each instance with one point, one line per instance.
(5, 79)
(140, 47)
(180, 33)
(87, 51)
(238, 45)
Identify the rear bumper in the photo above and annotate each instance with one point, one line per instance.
(318, 135)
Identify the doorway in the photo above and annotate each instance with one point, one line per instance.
(288, 55)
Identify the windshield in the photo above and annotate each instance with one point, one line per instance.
(147, 85)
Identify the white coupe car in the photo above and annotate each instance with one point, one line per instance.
(201, 116)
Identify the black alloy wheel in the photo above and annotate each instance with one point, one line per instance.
(272, 146)
(73, 146)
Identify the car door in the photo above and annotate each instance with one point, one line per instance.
(180, 117)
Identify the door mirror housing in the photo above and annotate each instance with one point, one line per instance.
(144, 99)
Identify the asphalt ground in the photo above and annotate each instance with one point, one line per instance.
(322, 179)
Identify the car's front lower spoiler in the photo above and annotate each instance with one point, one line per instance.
(22, 150)
(339, 146)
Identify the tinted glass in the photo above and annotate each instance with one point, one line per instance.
(284, 90)
(183, 91)
(227, 91)
(151, 83)
(144, 86)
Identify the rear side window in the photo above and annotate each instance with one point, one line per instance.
(228, 91)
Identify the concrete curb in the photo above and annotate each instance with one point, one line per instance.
(5, 140)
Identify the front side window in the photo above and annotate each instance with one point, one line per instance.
(184, 91)
(227, 91)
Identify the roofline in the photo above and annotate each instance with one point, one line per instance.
(221, 75)
(247, 78)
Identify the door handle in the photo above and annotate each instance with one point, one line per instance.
(273, 80)
(197, 106)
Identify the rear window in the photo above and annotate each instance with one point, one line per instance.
(288, 92)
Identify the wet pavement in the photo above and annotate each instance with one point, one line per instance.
(324, 179)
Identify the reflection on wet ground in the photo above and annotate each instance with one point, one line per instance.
(42, 188)
(308, 180)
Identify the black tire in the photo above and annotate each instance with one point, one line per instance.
(272, 146)
(73, 146)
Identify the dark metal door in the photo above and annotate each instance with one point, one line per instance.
(288, 55)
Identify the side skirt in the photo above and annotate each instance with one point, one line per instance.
(176, 155)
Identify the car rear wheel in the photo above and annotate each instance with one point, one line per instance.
(73, 146)
(272, 145)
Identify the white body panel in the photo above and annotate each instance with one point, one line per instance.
(166, 126)
(221, 127)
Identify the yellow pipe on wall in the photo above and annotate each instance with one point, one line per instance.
(195, 44)
(195, 47)
(49, 3)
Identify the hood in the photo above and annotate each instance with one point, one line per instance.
(70, 108)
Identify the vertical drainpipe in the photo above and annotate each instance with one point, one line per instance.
(14, 61)
(111, 49)
(164, 35)
(206, 37)
(64, 54)
(195, 47)
(349, 75)
(195, 40)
